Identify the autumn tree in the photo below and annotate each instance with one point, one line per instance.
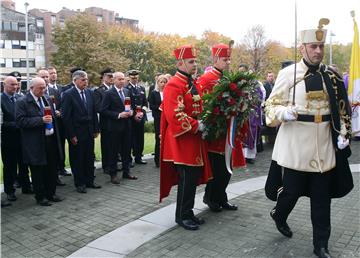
(84, 42)
(255, 42)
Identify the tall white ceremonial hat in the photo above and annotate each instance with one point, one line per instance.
(315, 35)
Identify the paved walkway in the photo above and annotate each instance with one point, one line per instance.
(82, 220)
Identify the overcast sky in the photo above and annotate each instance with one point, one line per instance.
(229, 17)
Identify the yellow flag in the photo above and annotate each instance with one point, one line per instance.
(354, 76)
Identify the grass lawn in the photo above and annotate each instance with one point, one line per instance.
(148, 148)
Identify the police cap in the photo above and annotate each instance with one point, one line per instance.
(15, 74)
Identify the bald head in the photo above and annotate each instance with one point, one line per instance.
(10, 85)
(43, 73)
(37, 86)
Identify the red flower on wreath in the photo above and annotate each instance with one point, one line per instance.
(232, 102)
(220, 97)
(216, 110)
(239, 93)
(233, 86)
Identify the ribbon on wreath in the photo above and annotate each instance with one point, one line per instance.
(230, 143)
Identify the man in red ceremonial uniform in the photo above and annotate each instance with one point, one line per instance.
(215, 192)
(183, 156)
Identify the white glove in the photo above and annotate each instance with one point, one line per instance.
(342, 142)
(201, 126)
(290, 114)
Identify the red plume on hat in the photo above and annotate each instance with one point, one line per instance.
(185, 52)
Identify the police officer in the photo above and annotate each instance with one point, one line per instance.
(139, 105)
(105, 140)
(315, 127)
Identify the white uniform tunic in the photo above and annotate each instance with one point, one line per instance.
(302, 146)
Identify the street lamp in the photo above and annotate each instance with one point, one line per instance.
(331, 35)
(27, 44)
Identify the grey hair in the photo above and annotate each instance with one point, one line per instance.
(35, 81)
(78, 74)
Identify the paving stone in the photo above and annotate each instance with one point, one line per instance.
(29, 230)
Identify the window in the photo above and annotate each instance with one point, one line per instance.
(21, 27)
(6, 25)
(8, 44)
(39, 36)
(62, 23)
(53, 19)
(31, 45)
(16, 62)
(15, 44)
(2, 43)
(22, 44)
(2, 62)
(40, 23)
(14, 26)
(99, 18)
(22, 62)
(31, 62)
(8, 62)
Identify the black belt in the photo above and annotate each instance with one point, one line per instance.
(315, 119)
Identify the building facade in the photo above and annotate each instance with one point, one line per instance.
(52, 19)
(13, 47)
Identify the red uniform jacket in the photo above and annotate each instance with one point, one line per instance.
(206, 83)
(181, 142)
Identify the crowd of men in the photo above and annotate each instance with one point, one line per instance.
(36, 124)
(35, 127)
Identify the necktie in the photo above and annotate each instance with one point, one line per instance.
(122, 95)
(83, 98)
(12, 99)
(41, 105)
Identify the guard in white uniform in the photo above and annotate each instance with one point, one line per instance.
(312, 142)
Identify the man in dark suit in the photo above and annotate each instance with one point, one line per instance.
(71, 83)
(118, 118)
(40, 142)
(54, 85)
(82, 126)
(105, 141)
(22, 178)
(10, 137)
(139, 105)
(55, 97)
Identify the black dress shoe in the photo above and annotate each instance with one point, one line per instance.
(141, 162)
(81, 189)
(55, 198)
(93, 185)
(59, 182)
(27, 191)
(282, 227)
(212, 206)
(229, 206)
(43, 202)
(5, 203)
(322, 252)
(250, 161)
(17, 184)
(11, 197)
(197, 220)
(127, 176)
(188, 224)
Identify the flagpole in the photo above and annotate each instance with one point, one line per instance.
(295, 52)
